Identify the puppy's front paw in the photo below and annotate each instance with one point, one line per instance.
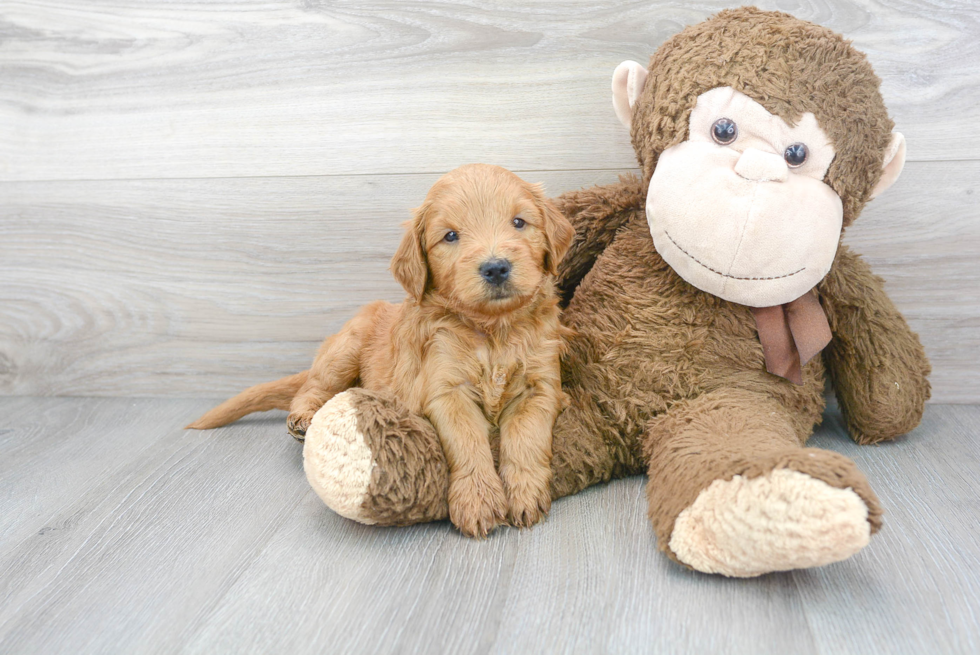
(526, 510)
(477, 505)
(298, 423)
(528, 494)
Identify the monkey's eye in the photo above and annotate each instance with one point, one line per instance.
(451, 236)
(795, 155)
(724, 131)
(518, 222)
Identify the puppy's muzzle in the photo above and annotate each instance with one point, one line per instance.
(495, 271)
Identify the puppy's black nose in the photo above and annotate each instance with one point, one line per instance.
(495, 271)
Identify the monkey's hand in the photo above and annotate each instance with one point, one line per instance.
(877, 364)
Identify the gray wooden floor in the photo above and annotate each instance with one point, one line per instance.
(194, 193)
(122, 533)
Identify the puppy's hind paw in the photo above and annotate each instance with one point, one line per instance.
(298, 423)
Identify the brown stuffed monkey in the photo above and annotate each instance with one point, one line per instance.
(709, 299)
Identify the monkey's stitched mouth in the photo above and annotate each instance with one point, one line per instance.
(731, 277)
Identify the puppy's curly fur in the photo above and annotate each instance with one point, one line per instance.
(475, 347)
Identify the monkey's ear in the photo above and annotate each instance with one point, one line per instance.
(409, 265)
(627, 83)
(558, 230)
(893, 164)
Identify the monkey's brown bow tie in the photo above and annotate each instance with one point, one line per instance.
(792, 334)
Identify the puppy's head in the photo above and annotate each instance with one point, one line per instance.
(484, 239)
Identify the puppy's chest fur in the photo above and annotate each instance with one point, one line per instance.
(498, 377)
(495, 369)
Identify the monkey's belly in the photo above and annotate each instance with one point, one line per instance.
(646, 339)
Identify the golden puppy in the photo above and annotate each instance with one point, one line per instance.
(475, 345)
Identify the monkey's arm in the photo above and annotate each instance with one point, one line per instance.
(596, 213)
(877, 364)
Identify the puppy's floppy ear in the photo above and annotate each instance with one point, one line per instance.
(558, 231)
(409, 265)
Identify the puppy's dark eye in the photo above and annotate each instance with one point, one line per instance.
(724, 131)
(518, 222)
(796, 155)
(450, 237)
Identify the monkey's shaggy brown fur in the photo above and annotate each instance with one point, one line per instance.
(668, 380)
(402, 441)
(671, 380)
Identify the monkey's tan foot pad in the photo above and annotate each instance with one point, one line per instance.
(777, 522)
(371, 460)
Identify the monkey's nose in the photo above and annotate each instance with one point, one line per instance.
(760, 166)
(495, 271)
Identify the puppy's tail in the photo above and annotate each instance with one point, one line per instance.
(261, 397)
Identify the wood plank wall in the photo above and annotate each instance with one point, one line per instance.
(193, 194)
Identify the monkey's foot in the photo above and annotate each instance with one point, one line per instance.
(776, 522)
(372, 461)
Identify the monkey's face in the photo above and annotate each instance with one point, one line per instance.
(740, 209)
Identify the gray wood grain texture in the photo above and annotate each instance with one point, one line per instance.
(185, 287)
(112, 89)
(122, 533)
(201, 287)
(193, 194)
